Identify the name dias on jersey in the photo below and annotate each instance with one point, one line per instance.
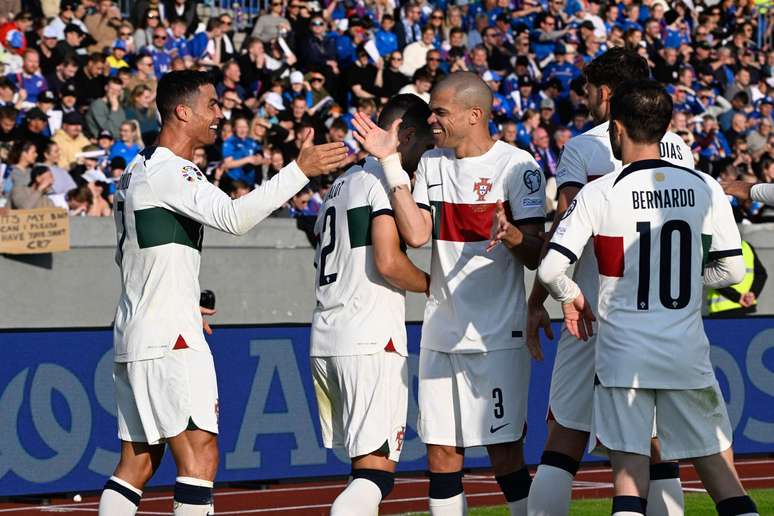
(669, 150)
(665, 198)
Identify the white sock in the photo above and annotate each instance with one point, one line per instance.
(119, 498)
(665, 497)
(518, 508)
(360, 497)
(627, 513)
(189, 490)
(550, 492)
(454, 506)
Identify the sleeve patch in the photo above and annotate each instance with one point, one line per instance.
(192, 174)
(532, 180)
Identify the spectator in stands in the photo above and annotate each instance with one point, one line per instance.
(90, 81)
(66, 15)
(389, 78)
(241, 154)
(21, 159)
(13, 33)
(9, 131)
(183, 11)
(157, 50)
(361, 77)
(143, 109)
(103, 25)
(420, 85)
(70, 139)
(79, 200)
(415, 54)
(432, 66)
(129, 142)
(63, 181)
(107, 113)
(35, 193)
(408, 30)
(30, 79)
(35, 129)
(271, 25)
(143, 36)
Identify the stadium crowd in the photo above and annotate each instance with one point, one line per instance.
(79, 81)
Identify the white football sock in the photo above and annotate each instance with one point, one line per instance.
(120, 499)
(183, 506)
(627, 513)
(454, 506)
(360, 497)
(665, 497)
(550, 492)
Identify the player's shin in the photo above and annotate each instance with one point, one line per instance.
(552, 485)
(665, 493)
(447, 497)
(515, 486)
(364, 493)
(119, 498)
(193, 497)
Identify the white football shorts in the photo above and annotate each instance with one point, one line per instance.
(362, 402)
(156, 398)
(572, 382)
(473, 399)
(691, 423)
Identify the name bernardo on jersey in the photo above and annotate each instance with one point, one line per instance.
(665, 198)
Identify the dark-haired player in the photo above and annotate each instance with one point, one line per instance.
(164, 376)
(585, 158)
(661, 232)
(358, 349)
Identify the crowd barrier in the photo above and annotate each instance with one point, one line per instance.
(58, 426)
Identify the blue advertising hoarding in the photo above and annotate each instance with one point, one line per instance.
(58, 425)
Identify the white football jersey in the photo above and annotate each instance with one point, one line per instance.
(358, 312)
(477, 300)
(654, 226)
(162, 202)
(587, 157)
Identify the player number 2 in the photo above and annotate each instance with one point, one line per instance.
(497, 395)
(329, 228)
(665, 265)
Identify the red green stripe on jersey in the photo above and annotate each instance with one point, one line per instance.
(610, 255)
(463, 222)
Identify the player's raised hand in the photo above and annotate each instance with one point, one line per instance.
(502, 230)
(315, 160)
(578, 318)
(537, 317)
(739, 189)
(375, 140)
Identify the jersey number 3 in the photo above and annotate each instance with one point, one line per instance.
(683, 231)
(329, 228)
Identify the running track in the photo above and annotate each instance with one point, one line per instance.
(409, 495)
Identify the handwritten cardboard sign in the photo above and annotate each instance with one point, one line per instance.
(45, 230)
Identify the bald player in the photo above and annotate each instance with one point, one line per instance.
(473, 365)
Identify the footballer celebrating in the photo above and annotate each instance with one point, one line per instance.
(661, 232)
(358, 346)
(474, 367)
(163, 370)
(586, 158)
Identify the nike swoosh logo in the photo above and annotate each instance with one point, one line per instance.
(433, 186)
(493, 429)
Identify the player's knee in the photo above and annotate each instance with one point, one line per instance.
(444, 458)
(566, 441)
(137, 471)
(506, 457)
(384, 480)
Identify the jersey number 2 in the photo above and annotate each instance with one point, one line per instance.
(329, 228)
(665, 265)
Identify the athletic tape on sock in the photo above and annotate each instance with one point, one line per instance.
(664, 470)
(384, 480)
(561, 461)
(191, 494)
(445, 485)
(629, 504)
(736, 505)
(125, 489)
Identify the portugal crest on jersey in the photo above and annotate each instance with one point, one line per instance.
(482, 188)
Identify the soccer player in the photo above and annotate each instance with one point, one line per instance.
(742, 190)
(164, 377)
(585, 158)
(358, 349)
(660, 233)
(473, 366)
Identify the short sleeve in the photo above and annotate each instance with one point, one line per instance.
(571, 170)
(725, 238)
(420, 185)
(576, 227)
(525, 191)
(376, 196)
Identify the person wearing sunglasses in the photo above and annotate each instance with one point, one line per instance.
(162, 58)
(389, 78)
(272, 24)
(143, 36)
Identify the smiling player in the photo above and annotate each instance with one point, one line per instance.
(164, 375)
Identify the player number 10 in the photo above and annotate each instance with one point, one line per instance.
(665, 265)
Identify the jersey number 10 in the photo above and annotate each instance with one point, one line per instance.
(665, 265)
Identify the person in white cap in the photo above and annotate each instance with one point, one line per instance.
(272, 105)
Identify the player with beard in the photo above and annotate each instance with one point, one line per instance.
(586, 158)
(163, 371)
(473, 364)
(661, 233)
